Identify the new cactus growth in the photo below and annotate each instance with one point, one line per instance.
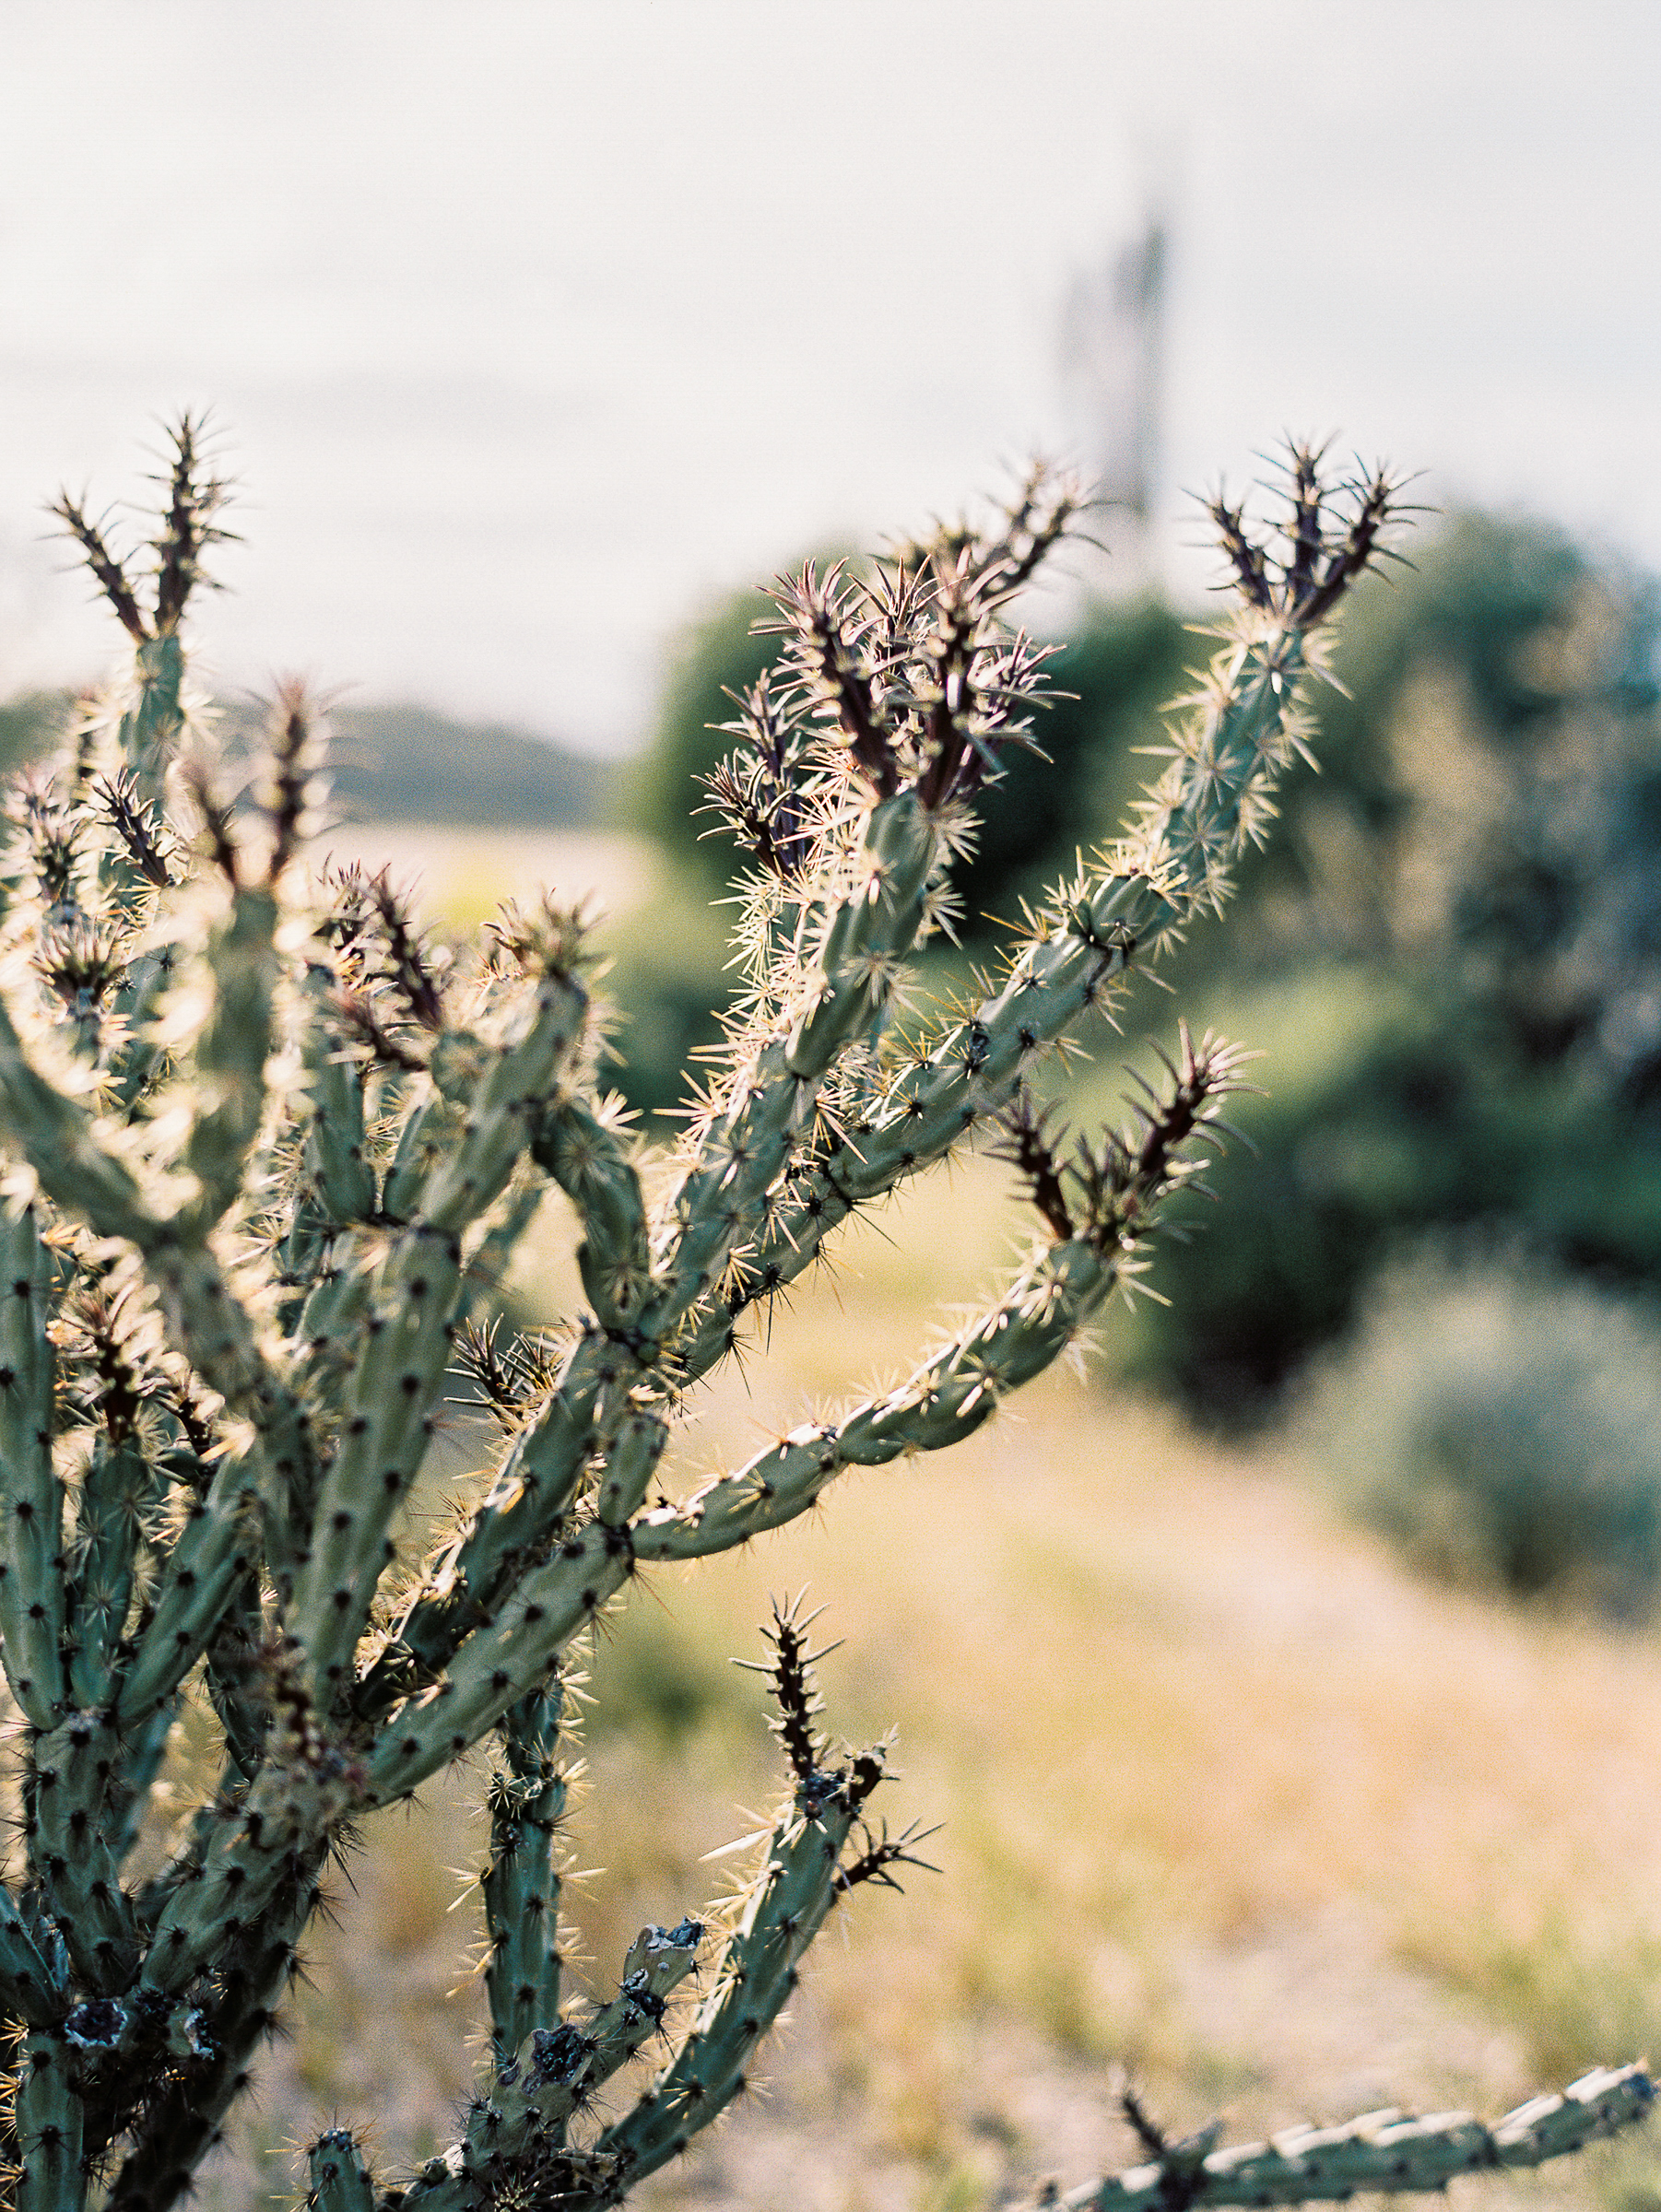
(265, 1155)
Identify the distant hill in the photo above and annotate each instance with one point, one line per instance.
(405, 764)
(412, 765)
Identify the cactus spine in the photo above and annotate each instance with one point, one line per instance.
(264, 1155)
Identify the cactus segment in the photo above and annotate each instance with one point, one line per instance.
(944, 1399)
(118, 1482)
(210, 1558)
(231, 1052)
(502, 1102)
(530, 1496)
(1384, 2152)
(142, 1754)
(151, 724)
(589, 1162)
(31, 1530)
(301, 1791)
(339, 2179)
(515, 2130)
(31, 1988)
(337, 1160)
(521, 1880)
(866, 933)
(70, 1848)
(782, 1914)
(214, 1330)
(409, 1324)
(207, 2050)
(56, 1136)
(506, 1656)
(48, 2120)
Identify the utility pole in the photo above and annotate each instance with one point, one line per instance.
(1112, 359)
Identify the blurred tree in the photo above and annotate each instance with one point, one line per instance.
(29, 725)
(1475, 867)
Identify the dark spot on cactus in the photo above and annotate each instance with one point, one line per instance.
(341, 1522)
(1027, 1038)
(409, 1384)
(21, 1287)
(420, 1287)
(409, 1746)
(392, 1481)
(358, 1425)
(37, 1611)
(25, 1510)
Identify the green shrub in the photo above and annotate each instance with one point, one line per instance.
(1502, 1426)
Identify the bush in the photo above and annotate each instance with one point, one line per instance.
(1502, 1427)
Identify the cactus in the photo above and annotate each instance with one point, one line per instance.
(266, 1155)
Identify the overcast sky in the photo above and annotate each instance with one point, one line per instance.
(532, 327)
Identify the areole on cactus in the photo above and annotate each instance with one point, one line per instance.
(265, 1157)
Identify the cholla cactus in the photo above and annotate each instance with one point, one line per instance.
(265, 1153)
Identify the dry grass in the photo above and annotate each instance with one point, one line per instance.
(1226, 1797)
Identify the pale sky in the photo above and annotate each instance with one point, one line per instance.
(534, 328)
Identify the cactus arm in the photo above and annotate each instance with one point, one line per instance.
(307, 1784)
(408, 1326)
(492, 1256)
(521, 1880)
(230, 1053)
(57, 1135)
(31, 1504)
(516, 2132)
(865, 935)
(70, 1846)
(410, 1321)
(150, 725)
(531, 1493)
(30, 1989)
(943, 1400)
(503, 1659)
(48, 2127)
(338, 1167)
(118, 1480)
(143, 1753)
(783, 1913)
(141, 1057)
(588, 1161)
(340, 2181)
(502, 1104)
(207, 1322)
(209, 1560)
(215, 1331)
(1380, 2153)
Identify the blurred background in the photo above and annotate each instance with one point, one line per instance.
(1287, 1682)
